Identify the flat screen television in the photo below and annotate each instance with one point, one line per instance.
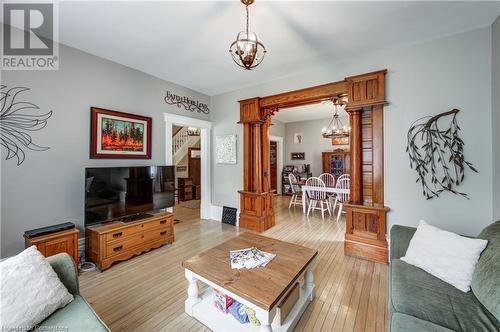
(127, 193)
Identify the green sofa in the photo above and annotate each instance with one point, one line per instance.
(419, 301)
(77, 315)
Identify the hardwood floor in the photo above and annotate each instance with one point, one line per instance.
(147, 293)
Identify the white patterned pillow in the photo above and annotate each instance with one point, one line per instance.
(446, 255)
(30, 291)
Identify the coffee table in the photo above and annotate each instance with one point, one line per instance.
(263, 289)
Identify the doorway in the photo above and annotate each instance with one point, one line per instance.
(202, 156)
(276, 142)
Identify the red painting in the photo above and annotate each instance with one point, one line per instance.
(120, 135)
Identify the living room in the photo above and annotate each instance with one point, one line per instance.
(89, 169)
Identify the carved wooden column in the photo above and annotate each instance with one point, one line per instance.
(355, 149)
(256, 202)
(365, 235)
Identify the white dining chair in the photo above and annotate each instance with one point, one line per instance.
(329, 181)
(296, 191)
(316, 192)
(343, 195)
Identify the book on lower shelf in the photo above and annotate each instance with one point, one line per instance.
(222, 301)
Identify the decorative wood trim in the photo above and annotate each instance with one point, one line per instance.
(366, 93)
(304, 96)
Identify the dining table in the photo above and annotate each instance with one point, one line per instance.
(328, 190)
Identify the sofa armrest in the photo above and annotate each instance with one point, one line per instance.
(65, 268)
(400, 239)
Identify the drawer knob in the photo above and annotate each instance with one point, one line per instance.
(117, 248)
(115, 235)
(163, 233)
(163, 222)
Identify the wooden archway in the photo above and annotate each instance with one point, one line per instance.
(365, 213)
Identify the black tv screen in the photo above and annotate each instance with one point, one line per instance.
(113, 193)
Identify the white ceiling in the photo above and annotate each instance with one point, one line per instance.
(187, 42)
(323, 110)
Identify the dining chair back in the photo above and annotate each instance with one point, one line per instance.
(296, 191)
(313, 193)
(342, 184)
(342, 196)
(328, 179)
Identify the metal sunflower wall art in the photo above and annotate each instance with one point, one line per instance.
(18, 118)
(437, 154)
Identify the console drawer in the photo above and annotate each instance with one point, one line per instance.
(157, 234)
(122, 233)
(164, 222)
(122, 246)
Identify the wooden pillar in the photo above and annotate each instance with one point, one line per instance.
(256, 202)
(366, 214)
(356, 195)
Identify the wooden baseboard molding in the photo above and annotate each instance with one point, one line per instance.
(366, 251)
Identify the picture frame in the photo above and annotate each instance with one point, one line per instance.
(225, 149)
(119, 135)
(340, 140)
(297, 138)
(298, 156)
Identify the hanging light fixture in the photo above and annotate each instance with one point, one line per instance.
(336, 129)
(246, 50)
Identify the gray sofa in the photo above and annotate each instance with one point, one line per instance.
(77, 315)
(419, 301)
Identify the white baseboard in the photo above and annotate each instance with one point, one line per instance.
(216, 213)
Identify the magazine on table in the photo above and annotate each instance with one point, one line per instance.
(249, 258)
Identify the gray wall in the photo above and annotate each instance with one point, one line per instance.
(313, 144)
(495, 89)
(48, 187)
(277, 128)
(423, 79)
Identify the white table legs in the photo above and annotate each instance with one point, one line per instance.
(193, 297)
(309, 279)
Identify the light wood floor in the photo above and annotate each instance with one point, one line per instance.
(147, 293)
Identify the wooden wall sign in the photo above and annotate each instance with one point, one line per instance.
(365, 213)
(186, 102)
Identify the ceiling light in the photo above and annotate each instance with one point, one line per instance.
(246, 50)
(336, 128)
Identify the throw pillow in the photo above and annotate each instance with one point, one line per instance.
(30, 291)
(446, 255)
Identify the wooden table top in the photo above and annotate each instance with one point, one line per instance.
(263, 286)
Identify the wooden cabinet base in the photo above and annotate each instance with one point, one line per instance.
(365, 232)
(366, 251)
(117, 241)
(257, 211)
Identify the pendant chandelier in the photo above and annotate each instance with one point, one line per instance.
(336, 129)
(246, 50)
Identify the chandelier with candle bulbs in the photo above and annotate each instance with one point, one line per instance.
(336, 129)
(247, 51)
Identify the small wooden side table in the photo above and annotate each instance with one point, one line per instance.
(55, 243)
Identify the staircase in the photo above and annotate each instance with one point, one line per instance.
(180, 144)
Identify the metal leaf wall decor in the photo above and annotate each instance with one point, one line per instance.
(437, 154)
(17, 121)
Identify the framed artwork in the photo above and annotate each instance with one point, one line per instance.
(117, 135)
(298, 155)
(340, 140)
(297, 138)
(225, 149)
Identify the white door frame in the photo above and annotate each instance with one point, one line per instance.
(206, 127)
(280, 155)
